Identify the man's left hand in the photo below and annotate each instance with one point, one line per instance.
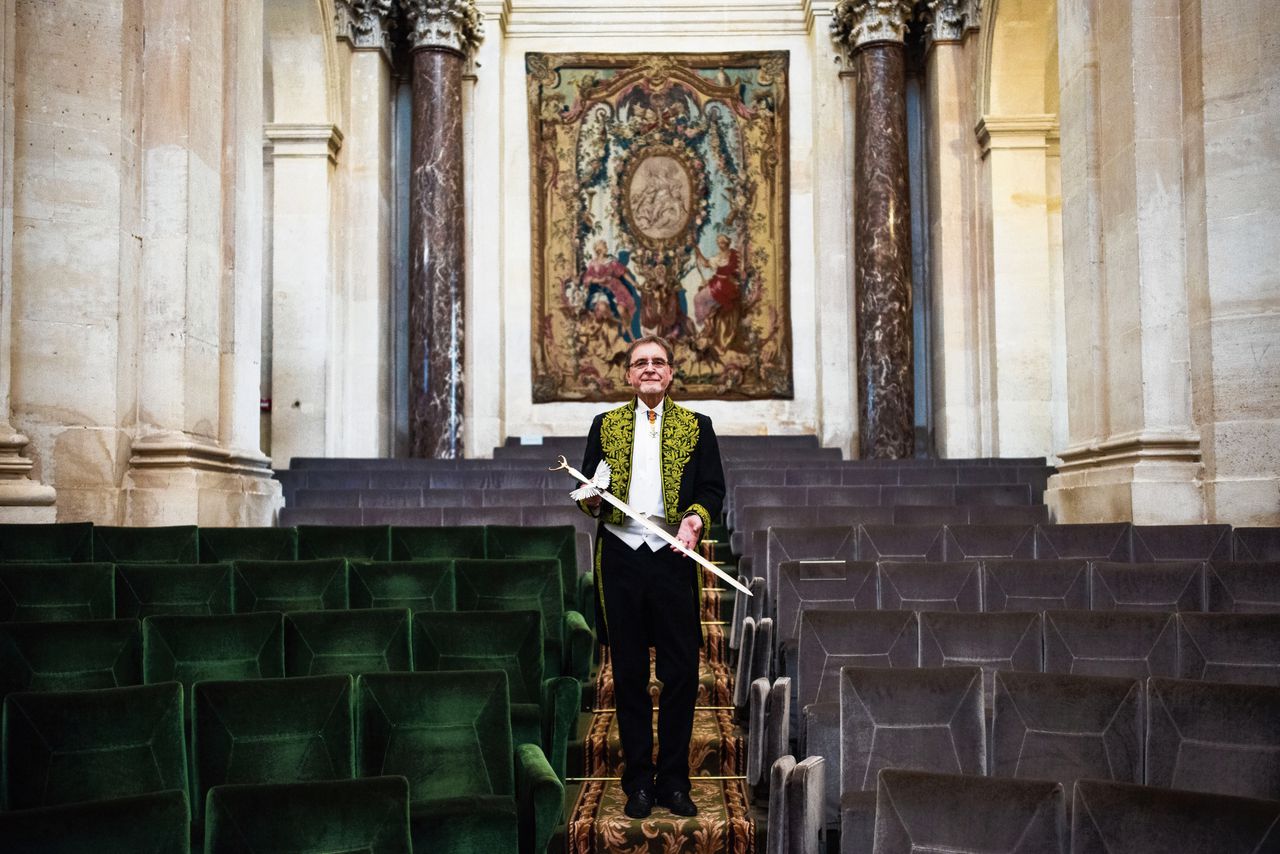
(689, 533)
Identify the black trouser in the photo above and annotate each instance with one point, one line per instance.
(650, 599)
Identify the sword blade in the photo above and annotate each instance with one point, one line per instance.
(650, 526)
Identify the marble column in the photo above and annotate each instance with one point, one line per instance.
(441, 34)
(21, 498)
(873, 31)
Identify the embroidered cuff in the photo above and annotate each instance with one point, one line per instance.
(701, 512)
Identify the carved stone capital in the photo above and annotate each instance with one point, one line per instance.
(948, 20)
(443, 25)
(366, 24)
(855, 23)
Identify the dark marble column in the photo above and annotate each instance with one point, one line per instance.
(882, 225)
(441, 32)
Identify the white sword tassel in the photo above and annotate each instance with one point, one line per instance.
(645, 522)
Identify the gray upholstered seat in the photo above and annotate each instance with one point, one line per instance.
(1148, 586)
(1110, 643)
(1118, 818)
(1035, 585)
(1242, 648)
(1053, 726)
(917, 811)
(1214, 737)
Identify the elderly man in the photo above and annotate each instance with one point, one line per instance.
(665, 463)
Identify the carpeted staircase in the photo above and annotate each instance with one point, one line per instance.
(717, 761)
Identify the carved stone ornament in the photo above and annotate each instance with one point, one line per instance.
(855, 23)
(367, 24)
(443, 24)
(947, 20)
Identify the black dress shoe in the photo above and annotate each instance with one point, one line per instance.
(639, 804)
(679, 803)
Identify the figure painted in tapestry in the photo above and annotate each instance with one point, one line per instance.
(718, 305)
(610, 285)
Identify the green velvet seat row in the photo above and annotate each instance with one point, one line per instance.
(469, 786)
(83, 542)
(189, 649)
(93, 591)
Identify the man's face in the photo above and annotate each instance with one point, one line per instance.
(649, 372)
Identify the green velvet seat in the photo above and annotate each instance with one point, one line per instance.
(57, 591)
(70, 656)
(543, 711)
(64, 542)
(553, 541)
(373, 640)
(354, 542)
(156, 823)
(419, 585)
(530, 583)
(370, 816)
(445, 541)
(225, 544)
(193, 649)
(169, 544)
(271, 731)
(449, 733)
(144, 589)
(285, 585)
(69, 746)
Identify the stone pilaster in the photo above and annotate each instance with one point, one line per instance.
(442, 34)
(949, 20)
(21, 498)
(363, 277)
(181, 470)
(951, 167)
(873, 32)
(1134, 449)
(366, 24)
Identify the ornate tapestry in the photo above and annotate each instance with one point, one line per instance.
(660, 191)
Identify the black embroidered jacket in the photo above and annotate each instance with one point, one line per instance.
(692, 477)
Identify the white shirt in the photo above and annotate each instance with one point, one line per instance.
(644, 494)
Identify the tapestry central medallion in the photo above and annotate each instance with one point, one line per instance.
(659, 206)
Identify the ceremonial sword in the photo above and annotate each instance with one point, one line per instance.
(597, 486)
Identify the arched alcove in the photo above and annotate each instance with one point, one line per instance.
(1017, 96)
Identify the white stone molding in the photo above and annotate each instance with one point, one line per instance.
(443, 25)
(855, 23)
(1131, 449)
(304, 140)
(1029, 131)
(179, 451)
(365, 24)
(578, 19)
(949, 20)
(16, 487)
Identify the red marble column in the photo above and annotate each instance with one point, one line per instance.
(440, 33)
(882, 252)
(437, 260)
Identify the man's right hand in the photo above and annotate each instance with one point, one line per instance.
(592, 501)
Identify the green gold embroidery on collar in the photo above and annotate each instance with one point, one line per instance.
(679, 438)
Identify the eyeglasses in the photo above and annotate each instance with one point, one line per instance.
(656, 364)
